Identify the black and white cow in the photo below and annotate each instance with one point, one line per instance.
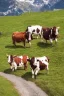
(37, 64)
(35, 29)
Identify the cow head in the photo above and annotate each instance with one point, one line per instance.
(29, 37)
(31, 61)
(55, 31)
(10, 59)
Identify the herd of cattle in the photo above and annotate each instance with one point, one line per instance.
(36, 63)
(46, 33)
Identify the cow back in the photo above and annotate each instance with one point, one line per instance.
(46, 33)
(17, 60)
(18, 36)
(42, 65)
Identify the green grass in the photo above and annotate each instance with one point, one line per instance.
(53, 83)
(6, 88)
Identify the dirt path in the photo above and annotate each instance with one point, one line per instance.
(25, 88)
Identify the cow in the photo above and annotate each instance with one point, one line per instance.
(17, 61)
(37, 64)
(50, 33)
(21, 37)
(35, 29)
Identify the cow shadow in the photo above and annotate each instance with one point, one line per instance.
(15, 47)
(27, 76)
(44, 45)
(8, 71)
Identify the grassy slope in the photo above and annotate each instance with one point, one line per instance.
(52, 83)
(6, 88)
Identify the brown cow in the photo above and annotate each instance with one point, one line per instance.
(50, 33)
(21, 37)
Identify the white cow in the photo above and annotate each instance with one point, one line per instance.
(35, 29)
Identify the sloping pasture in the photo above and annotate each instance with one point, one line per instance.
(52, 83)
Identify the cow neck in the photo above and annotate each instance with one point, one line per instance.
(11, 59)
(31, 63)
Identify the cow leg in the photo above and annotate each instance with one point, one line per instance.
(25, 66)
(42, 39)
(37, 36)
(55, 40)
(36, 72)
(32, 73)
(40, 36)
(15, 65)
(12, 68)
(14, 42)
(37, 69)
(24, 43)
(46, 41)
(51, 41)
(29, 44)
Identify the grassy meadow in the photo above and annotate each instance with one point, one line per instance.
(53, 83)
(6, 88)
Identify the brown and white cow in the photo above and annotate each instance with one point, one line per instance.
(21, 37)
(35, 29)
(37, 64)
(50, 33)
(17, 61)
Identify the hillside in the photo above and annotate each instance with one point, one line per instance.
(17, 7)
(53, 83)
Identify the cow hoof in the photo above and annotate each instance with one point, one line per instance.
(13, 70)
(32, 76)
(37, 37)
